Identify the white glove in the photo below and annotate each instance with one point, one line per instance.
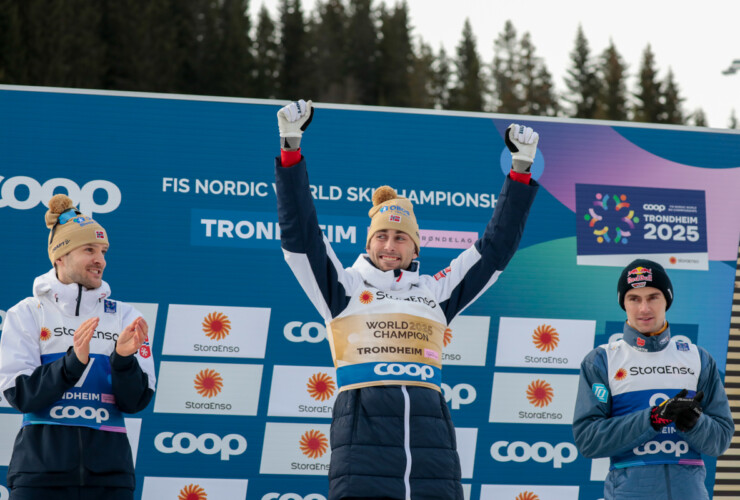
(293, 119)
(522, 142)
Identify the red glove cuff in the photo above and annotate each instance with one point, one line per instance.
(523, 178)
(289, 158)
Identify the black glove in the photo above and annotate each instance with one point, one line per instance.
(680, 409)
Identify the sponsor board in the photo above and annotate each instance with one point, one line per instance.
(533, 398)
(296, 449)
(544, 342)
(459, 395)
(466, 341)
(38, 192)
(528, 492)
(617, 224)
(133, 432)
(216, 331)
(302, 391)
(10, 424)
(208, 388)
(158, 488)
(466, 442)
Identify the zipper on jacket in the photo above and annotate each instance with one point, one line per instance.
(82, 461)
(407, 440)
(79, 300)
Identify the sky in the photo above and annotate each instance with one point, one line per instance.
(697, 40)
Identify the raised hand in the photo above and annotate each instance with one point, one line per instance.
(522, 142)
(293, 120)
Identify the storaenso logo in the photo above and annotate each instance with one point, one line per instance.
(41, 193)
(397, 369)
(654, 447)
(541, 452)
(305, 333)
(293, 496)
(86, 412)
(208, 444)
(453, 395)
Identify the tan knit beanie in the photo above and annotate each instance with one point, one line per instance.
(391, 211)
(70, 229)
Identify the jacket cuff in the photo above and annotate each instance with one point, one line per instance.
(121, 363)
(73, 367)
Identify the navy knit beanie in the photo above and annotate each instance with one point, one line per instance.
(641, 273)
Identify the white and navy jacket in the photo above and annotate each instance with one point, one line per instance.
(391, 434)
(72, 413)
(619, 384)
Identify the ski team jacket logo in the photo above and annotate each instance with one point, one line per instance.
(639, 380)
(90, 403)
(386, 338)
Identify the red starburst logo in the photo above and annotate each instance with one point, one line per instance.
(45, 334)
(321, 386)
(216, 326)
(208, 383)
(448, 336)
(366, 297)
(621, 374)
(192, 492)
(527, 495)
(540, 393)
(314, 444)
(545, 338)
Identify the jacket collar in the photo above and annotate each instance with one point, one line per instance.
(387, 280)
(66, 297)
(644, 343)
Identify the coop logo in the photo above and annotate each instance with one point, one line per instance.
(208, 383)
(216, 326)
(293, 496)
(313, 443)
(192, 492)
(41, 193)
(541, 452)
(669, 447)
(295, 331)
(397, 369)
(321, 386)
(461, 394)
(87, 412)
(545, 338)
(540, 393)
(207, 444)
(652, 207)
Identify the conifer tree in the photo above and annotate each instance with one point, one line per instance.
(12, 49)
(266, 57)
(293, 50)
(648, 107)
(396, 57)
(467, 94)
(582, 80)
(328, 35)
(505, 74)
(698, 118)
(733, 120)
(671, 101)
(362, 47)
(442, 80)
(613, 103)
(422, 80)
(538, 94)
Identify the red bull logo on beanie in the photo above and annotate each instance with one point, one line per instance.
(639, 276)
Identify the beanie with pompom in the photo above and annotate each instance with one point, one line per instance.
(70, 229)
(391, 211)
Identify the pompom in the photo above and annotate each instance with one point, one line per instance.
(59, 203)
(383, 194)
